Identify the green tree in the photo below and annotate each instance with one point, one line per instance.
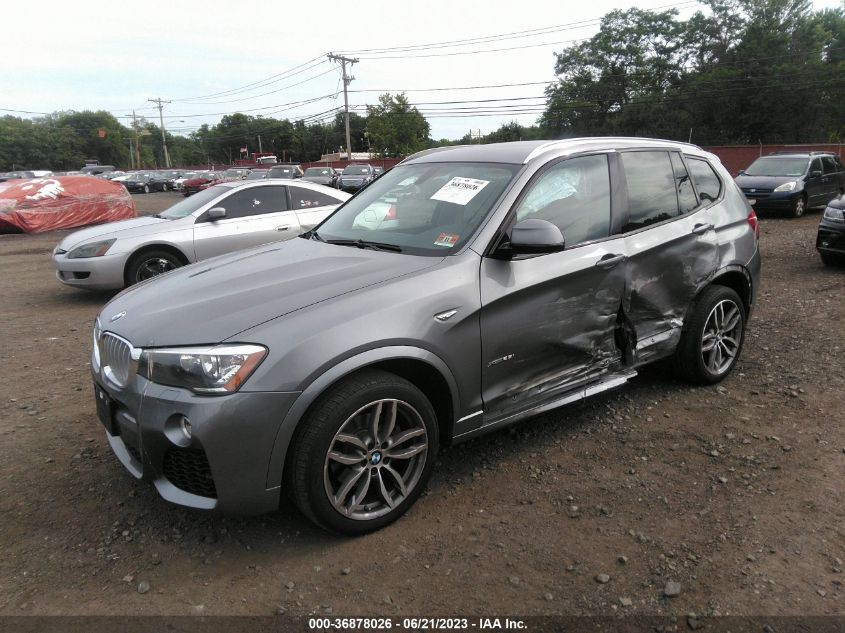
(395, 127)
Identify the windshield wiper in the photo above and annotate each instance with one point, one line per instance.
(379, 246)
(313, 235)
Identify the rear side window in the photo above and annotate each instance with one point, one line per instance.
(254, 201)
(683, 185)
(574, 195)
(302, 198)
(704, 178)
(829, 166)
(651, 188)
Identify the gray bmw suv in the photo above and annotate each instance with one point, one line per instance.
(464, 290)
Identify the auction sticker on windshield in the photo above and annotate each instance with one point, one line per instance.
(460, 190)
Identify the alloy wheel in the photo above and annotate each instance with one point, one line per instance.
(721, 337)
(376, 459)
(153, 267)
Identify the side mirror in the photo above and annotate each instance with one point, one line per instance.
(815, 173)
(536, 236)
(217, 213)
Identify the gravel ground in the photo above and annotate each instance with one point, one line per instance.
(654, 499)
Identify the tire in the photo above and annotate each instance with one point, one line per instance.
(692, 359)
(148, 264)
(830, 259)
(146, 189)
(379, 486)
(164, 187)
(799, 206)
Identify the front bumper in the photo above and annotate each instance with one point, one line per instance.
(223, 466)
(831, 237)
(93, 273)
(773, 201)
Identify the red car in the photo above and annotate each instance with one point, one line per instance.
(203, 180)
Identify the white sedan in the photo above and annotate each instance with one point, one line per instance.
(223, 218)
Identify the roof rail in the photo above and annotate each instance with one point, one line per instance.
(798, 151)
(545, 147)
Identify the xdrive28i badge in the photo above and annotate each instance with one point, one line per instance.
(117, 316)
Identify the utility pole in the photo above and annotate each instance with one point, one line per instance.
(160, 103)
(137, 164)
(260, 151)
(346, 81)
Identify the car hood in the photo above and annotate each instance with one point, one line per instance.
(838, 202)
(319, 180)
(763, 182)
(216, 299)
(125, 228)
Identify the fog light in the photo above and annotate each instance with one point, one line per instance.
(185, 425)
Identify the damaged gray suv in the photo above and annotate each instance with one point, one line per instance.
(464, 290)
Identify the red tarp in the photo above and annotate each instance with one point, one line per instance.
(62, 202)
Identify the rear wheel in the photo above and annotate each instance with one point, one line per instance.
(164, 186)
(712, 340)
(363, 454)
(146, 189)
(799, 206)
(150, 264)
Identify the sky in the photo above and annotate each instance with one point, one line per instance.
(211, 58)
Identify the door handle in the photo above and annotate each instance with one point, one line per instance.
(701, 229)
(284, 227)
(610, 260)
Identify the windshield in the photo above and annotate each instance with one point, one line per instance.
(280, 172)
(317, 171)
(425, 209)
(357, 170)
(777, 167)
(232, 173)
(139, 177)
(187, 206)
(256, 175)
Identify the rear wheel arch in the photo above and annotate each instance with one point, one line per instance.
(737, 279)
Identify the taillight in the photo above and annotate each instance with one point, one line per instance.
(754, 223)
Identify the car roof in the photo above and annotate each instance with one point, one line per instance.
(274, 181)
(521, 152)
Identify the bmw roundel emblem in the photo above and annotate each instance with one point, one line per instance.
(117, 316)
(375, 459)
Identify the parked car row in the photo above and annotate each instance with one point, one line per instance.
(796, 181)
(464, 290)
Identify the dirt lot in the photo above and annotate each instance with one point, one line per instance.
(736, 492)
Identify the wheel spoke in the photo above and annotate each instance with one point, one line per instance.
(732, 319)
(392, 409)
(406, 453)
(351, 439)
(360, 492)
(351, 479)
(726, 351)
(406, 435)
(708, 341)
(374, 422)
(398, 478)
(384, 492)
(347, 460)
(730, 341)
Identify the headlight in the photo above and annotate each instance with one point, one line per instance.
(787, 186)
(93, 249)
(206, 370)
(834, 215)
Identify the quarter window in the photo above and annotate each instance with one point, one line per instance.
(829, 165)
(302, 198)
(706, 181)
(651, 188)
(683, 185)
(254, 201)
(574, 195)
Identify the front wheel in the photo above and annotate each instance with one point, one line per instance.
(146, 189)
(712, 340)
(149, 264)
(164, 187)
(799, 206)
(363, 454)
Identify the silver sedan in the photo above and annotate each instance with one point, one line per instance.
(217, 220)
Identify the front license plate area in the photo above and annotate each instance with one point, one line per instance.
(105, 410)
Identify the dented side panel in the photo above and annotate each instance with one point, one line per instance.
(547, 324)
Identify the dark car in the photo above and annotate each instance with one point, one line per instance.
(466, 289)
(203, 180)
(355, 177)
(140, 183)
(96, 170)
(16, 175)
(830, 240)
(257, 174)
(793, 181)
(164, 180)
(285, 171)
(321, 175)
